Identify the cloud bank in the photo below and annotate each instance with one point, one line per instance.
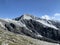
(55, 16)
(46, 17)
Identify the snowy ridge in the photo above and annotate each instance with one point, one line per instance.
(49, 24)
(41, 21)
(45, 23)
(27, 17)
(19, 23)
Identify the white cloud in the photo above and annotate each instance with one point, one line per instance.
(55, 16)
(46, 17)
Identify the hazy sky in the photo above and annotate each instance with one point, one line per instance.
(15, 8)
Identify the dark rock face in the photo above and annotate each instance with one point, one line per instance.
(46, 31)
(34, 28)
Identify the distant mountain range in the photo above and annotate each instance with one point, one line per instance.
(34, 27)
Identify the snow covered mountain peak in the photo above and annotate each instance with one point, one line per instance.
(25, 16)
(40, 20)
(33, 26)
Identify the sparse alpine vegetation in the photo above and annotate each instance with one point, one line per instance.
(9, 38)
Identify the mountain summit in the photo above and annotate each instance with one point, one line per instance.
(26, 16)
(37, 28)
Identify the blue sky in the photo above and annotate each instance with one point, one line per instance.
(39, 8)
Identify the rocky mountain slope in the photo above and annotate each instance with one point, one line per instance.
(9, 38)
(29, 30)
